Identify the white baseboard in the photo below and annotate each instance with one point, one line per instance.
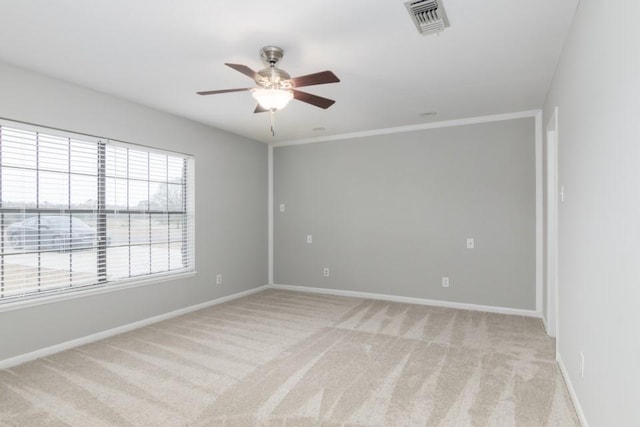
(43, 352)
(572, 391)
(410, 300)
(551, 333)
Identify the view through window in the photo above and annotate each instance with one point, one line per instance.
(78, 212)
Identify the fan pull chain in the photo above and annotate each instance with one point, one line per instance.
(273, 121)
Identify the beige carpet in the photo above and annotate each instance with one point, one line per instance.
(280, 358)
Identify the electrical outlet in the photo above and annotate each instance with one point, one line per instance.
(219, 279)
(445, 282)
(326, 272)
(309, 238)
(471, 243)
(581, 365)
(281, 207)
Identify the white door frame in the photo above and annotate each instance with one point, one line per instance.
(551, 278)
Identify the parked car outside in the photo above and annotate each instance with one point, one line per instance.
(53, 233)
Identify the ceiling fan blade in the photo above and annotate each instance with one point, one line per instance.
(320, 78)
(260, 109)
(316, 100)
(214, 92)
(246, 71)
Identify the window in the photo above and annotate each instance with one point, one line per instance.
(78, 212)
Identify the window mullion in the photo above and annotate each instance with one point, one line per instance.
(101, 216)
(129, 215)
(70, 215)
(39, 271)
(2, 235)
(149, 212)
(185, 233)
(166, 207)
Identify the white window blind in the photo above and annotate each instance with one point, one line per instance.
(78, 212)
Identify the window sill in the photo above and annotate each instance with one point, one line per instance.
(31, 301)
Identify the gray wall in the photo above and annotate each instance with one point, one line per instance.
(390, 214)
(596, 88)
(231, 209)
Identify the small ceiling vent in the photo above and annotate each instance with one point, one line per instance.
(428, 15)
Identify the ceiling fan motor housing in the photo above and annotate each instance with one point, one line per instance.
(275, 77)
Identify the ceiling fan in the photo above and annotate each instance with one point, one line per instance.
(275, 87)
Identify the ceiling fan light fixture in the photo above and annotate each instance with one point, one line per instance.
(272, 99)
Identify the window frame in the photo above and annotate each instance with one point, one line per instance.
(101, 212)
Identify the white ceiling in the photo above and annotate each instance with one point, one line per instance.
(498, 56)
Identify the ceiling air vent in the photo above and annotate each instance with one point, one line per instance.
(428, 15)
